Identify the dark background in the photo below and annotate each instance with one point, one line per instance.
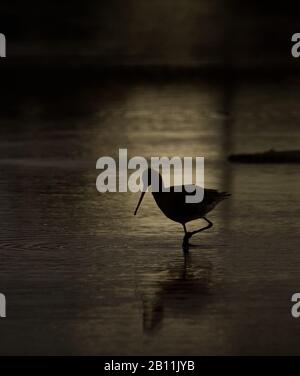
(248, 34)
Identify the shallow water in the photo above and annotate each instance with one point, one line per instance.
(82, 275)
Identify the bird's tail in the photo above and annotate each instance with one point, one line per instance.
(223, 195)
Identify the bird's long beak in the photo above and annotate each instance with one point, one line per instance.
(139, 203)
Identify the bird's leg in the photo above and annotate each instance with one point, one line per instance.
(188, 235)
(185, 243)
(185, 231)
(210, 224)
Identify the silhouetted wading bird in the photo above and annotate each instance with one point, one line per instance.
(173, 205)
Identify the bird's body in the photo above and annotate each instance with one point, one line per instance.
(172, 202)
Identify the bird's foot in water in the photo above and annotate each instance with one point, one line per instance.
(185, 247)
(185, 244)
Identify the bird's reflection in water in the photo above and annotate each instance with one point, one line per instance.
(174, 292)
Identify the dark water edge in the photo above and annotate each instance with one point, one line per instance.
(82, 275)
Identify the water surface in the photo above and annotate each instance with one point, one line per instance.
(82, 275)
